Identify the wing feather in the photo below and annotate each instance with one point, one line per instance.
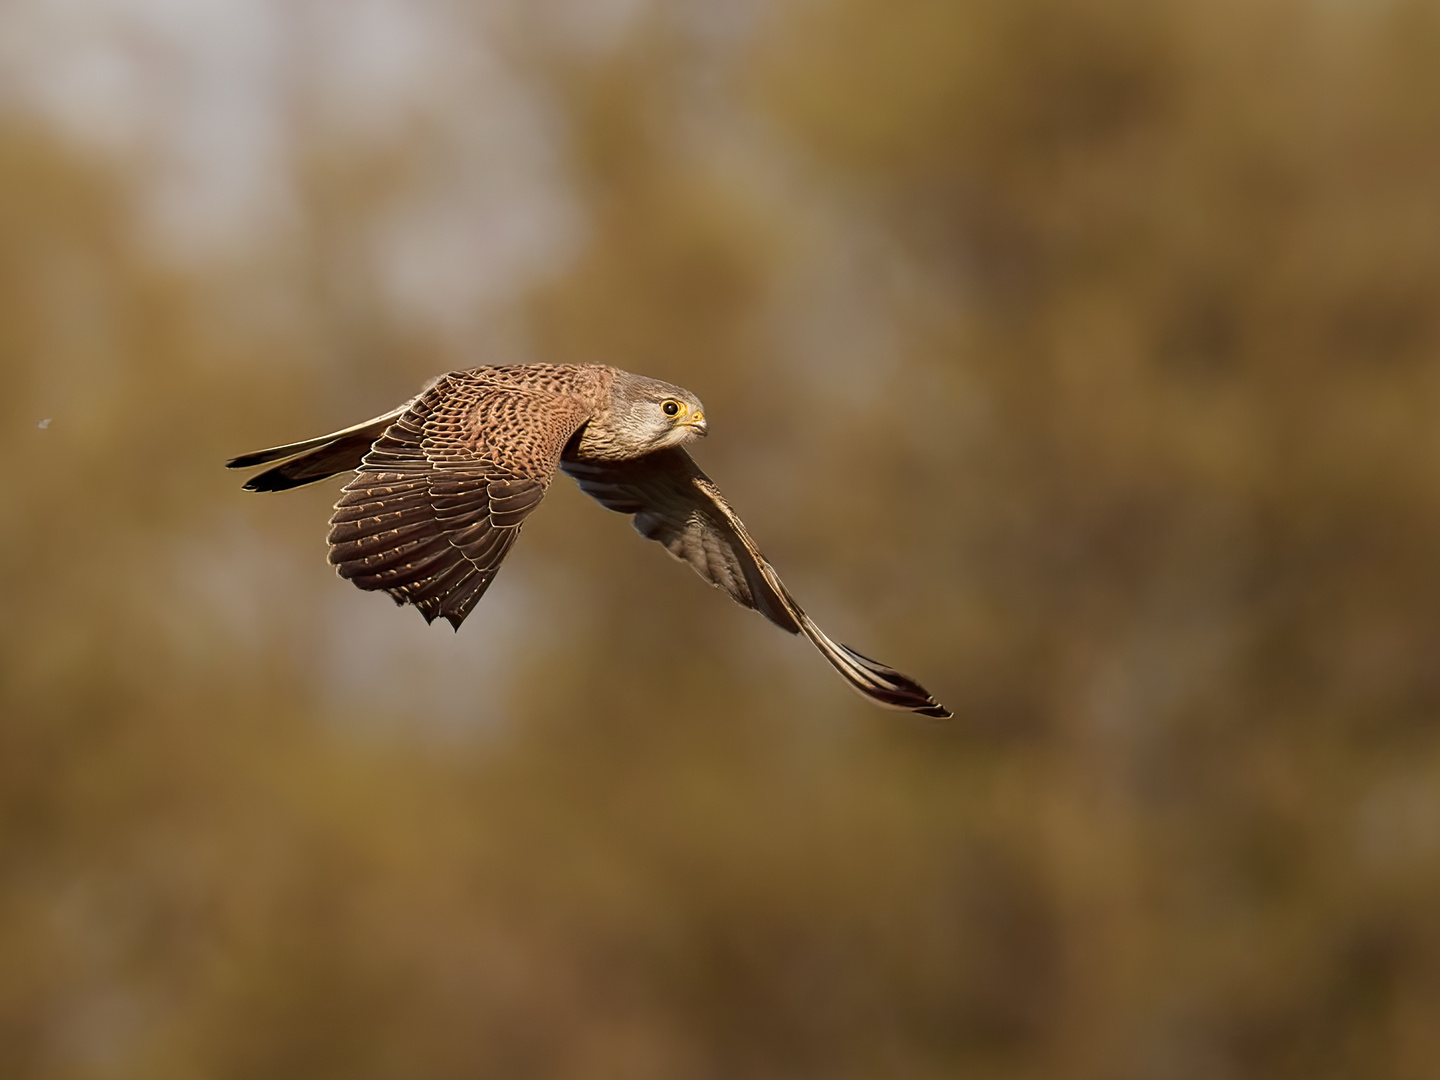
(677, 505)
(437, 501)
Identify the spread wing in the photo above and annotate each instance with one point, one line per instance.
(440, 497)
(678, 505)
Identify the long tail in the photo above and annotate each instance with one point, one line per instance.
(314, 459)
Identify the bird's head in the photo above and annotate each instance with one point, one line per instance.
(653, 415)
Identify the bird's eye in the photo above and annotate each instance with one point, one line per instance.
(670, 408)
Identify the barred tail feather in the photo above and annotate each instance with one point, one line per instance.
(314, 459)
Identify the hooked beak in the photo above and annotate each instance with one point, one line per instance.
(697, 421)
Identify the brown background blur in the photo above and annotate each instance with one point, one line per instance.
(1078, 356)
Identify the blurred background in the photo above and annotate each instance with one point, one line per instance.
(1077, 356)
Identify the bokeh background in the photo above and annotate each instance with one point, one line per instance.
(1078, 356)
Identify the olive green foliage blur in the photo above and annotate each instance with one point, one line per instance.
(1139, 474)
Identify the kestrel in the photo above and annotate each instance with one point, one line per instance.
(443, 484)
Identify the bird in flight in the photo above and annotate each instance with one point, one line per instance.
(443, 484)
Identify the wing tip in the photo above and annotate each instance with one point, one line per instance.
(878, 682)
(908, 696)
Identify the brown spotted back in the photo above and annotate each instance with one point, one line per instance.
(518, 418)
